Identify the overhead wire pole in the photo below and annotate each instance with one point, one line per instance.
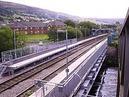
(57, 36)
(80, 29)
(14, 42)
(76, 32)
(84, 32)
(66, 36)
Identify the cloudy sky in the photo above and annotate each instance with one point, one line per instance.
(83, 8)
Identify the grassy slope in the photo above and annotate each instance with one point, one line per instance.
(35, 38)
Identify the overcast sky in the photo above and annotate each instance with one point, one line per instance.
(83, 8)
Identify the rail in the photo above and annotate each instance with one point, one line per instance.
(74, 75)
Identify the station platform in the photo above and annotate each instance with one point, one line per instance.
(47, 54)
(31, 60)
(64, 83)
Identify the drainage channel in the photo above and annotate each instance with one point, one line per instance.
(86, 86)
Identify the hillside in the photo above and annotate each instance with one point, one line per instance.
(8, 9)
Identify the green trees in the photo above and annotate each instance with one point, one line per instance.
(55, 35)
(86, 27)
(20, 39)
(6, 39)
(70, 23)
(83, 29)
(73, 32)
(52, 34)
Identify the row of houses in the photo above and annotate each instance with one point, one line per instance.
(33, 27)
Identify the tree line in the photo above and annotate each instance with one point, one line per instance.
(74, 29)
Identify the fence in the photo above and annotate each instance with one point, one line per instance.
(33, 48)
(67, 86)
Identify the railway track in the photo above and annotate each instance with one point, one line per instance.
(10, 83)
(32, 89)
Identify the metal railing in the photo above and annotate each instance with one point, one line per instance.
(20, 52)
(67, 86)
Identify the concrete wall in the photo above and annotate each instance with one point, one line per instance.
(124, 59)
